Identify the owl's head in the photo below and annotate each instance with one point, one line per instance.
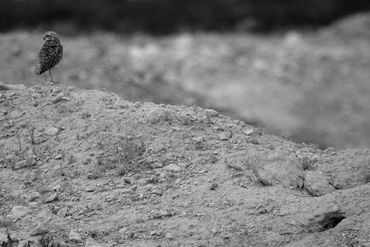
(51, 36)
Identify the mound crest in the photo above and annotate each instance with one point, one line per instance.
(84, 167)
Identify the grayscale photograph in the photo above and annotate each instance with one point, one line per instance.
(194, 123)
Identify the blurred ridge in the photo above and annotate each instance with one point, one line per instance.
(166, 16)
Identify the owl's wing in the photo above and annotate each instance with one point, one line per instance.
(59, 53)
(43, 59)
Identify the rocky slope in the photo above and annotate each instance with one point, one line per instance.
(87, 168)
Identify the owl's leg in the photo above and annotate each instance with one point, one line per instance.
(51, 76)
(45, 77)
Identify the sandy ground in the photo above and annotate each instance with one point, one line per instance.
(88, 168)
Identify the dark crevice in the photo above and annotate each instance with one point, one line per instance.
(326, 222)
(331, 220)
(11, 242)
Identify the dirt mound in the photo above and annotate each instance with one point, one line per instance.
(87, 168)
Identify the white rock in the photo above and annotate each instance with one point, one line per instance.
(317, 184)
(123, 230)
(21, 164)
(75, 236)
(90, 242)
(279, 168)
(63, 212)
(52, 131)
(273, 237)
(224, 136)
(15, 114)
(198, 139)
(18, 212)
(248, 131)
(173, 167)
(58, 157)
(52, 197)
(40, 229)
(158, 115)
(211, 113)
(169, 235)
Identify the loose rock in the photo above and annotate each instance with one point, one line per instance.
(158, 115)
(52, 131)
(317, 184)
(224, 136)
(160, 214)
(52, 197)
(279, 168)
(173, 168)
(214, 186)
(41, 229)
(3, 87)
(248, 131)
(75, 236)
(58, 157)
(90, 242)
(18, 212)
(198, 139)
(122, 230)
(211, 113)
(273, 237)
(169, 235)
(62, 212)
(21, 164)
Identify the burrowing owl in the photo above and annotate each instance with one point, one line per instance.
(50, 54)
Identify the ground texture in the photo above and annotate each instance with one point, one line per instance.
(88, 168)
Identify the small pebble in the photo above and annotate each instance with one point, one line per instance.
(248, 131)
(224, 136)
(122, 230)
(52, 131)
(75, 236)
(90, 188)
(214, 186)
(62, 212)
(41, 229)
(173, 167)
(58, 156)
(169, 235)
(198, 139)
(52, 197)
(90, 242)
(20, 165)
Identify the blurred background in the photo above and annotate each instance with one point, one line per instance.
(298, 68)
